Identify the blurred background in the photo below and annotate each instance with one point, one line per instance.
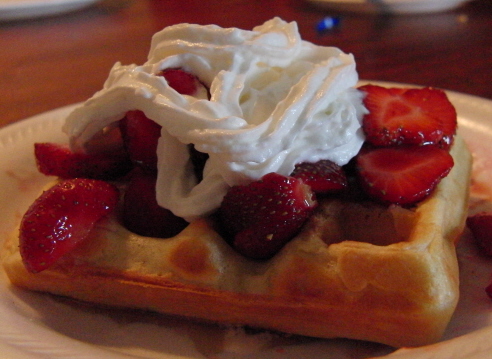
(54, 56)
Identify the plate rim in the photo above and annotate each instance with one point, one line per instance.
(390, 6)
(25, 9)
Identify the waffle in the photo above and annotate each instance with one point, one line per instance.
(357, 270)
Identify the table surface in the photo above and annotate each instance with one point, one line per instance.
(51, 62)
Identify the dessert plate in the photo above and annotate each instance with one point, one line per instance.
(24, 9)
(40, 326)
(389, 6)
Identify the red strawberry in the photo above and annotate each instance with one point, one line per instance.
(323, 176)
(61, 218)
(184, 82)
(142, 214)
(480, 225)
(260, 218)
(408, 116)
(402, 175)
(140, 135)
(58, 160)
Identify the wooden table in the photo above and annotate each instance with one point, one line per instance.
(50, 62)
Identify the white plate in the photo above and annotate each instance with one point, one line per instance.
(389, 6)
(24, 9)
(42, 326)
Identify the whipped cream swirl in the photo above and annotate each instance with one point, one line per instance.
(276, 101)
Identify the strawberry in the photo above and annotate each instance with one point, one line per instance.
(61, 218)
(58, 160)
(140, 135)
(402, 175)
(182, 81)
(480, 225)
(323, 176)
(408, 116)
(258, 219)
(142, 214)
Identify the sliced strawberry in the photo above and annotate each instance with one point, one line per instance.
(61, 218)
(260, 218)
(323, 176)
(142, 214)
(58, 160)
(408, 116)
(402, 175)
(140, 136)
(184, 82)
(480, 225)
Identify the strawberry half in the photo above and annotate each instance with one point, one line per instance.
(258, 219)
(58, 160)
(323, 176)
(61, 218)
(402, 175)
(140, 136)
(408, 116)
(142, 214)
(480, 225)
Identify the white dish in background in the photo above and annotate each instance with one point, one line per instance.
(389, 6)
(25, 9)
(42, 326)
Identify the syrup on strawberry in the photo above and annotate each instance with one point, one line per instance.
(258, 219)
(408, 116)
(61, 218)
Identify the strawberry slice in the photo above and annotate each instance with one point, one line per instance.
(323, 176)
(140, 136)
(141, 213)
(258, 219)
(58, 160)
(480, 225)
(184, 82)
(408, 116)
(61, 218)
(402, 175)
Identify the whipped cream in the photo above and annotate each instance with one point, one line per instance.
(276, 101)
